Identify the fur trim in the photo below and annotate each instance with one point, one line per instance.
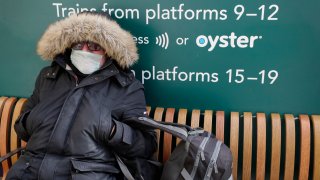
(59, 36)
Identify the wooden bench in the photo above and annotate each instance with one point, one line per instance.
(263, 146)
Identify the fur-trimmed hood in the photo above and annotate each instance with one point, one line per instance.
(59, 36)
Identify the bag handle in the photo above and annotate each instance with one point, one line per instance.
(5, 157)
(172, 128)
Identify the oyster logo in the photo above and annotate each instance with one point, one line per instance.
(224, 41)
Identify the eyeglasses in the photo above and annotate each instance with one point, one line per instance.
(91, 46)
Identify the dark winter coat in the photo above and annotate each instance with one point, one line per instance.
(67, 123)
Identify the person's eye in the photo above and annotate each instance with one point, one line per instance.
(94, 47)
(97, 47)
(77, 46)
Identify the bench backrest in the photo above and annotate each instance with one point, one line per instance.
(274, 146)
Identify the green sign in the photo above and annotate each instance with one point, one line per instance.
(220, 55)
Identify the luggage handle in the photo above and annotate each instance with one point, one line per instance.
(176, 130)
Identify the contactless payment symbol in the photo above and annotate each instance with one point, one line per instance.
(163, 40)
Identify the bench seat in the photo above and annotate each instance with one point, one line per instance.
(264, 146)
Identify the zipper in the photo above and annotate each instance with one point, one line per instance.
(215, 166)
(213, 161)
(200, 154)
(215, 156)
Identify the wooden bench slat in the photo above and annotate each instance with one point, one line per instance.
(290, 147)
(167, 138)
(148, 110)
(4, 132)
(316, 144)
(158, 113)
(234, 141)
(195, 118)
(220, 125)
(247, 146)
(158, 117)
(182, 119)
(2, 102)
(207, 124)
(275, 146)
(14, 138)
(261, 146)
(305, 143)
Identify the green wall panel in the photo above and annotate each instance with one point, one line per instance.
(280, 73)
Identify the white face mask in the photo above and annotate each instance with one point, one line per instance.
(85, 62)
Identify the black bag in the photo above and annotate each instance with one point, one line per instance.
(198, 156)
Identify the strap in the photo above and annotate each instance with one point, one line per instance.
(175, 131)
(124, 168)
(196, 132)
(3, 158)
(177, 125)
(184, 173)
(213, 161)
(199, 154)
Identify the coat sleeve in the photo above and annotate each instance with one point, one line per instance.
(20, 124)
(127, 140)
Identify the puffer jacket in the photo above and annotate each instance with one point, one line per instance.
(67, 123)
